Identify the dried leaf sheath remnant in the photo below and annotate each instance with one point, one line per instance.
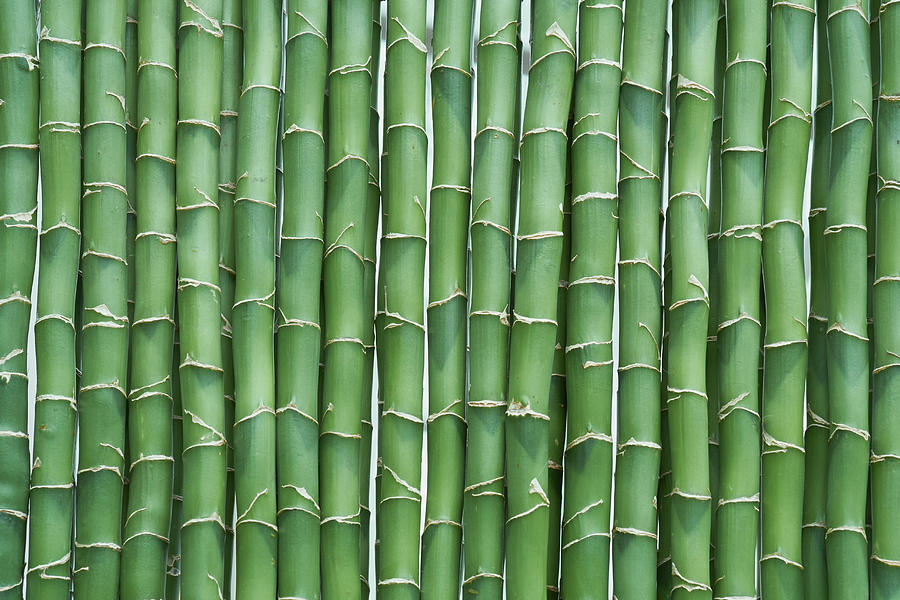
(539, 250)
(493, 190)
(298, 317)
(19, 75)
(349, 84)
(199, 297)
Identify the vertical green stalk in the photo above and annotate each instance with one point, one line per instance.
(349, 88)
(254, 303)
(52, 479)
(847, 346)
(150, 400)
(784, 280)
(101, 397)
(591, 299)
(173, 555)
(19, 79)
(199, 317)
(299, 318)
(641, 126)
(451, 101)
(232, 72)
(401, 329)
(540, 245)
(373, 212)
(739, 271)
(493, 189)
(886, 412)
(815, 580)
(131, 130)
(693, 109)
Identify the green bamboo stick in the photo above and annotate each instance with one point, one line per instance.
(847, 346)
(713, 235)
(641, 126)
(540, 244)
(131, 108)
(173, 554)
(493, 177)
(589, 344)
(232, 73)
(694, 65)
(815, 581)
(200, 362)
(885, 425)
(101, 397)
(254, 296)
(298, 317)
(144, 548)
(739, 271)
(340, 431)
(52, 479)
(19, 80)
(784, 280)
(401, 330)
(451, 101)
(373, 211)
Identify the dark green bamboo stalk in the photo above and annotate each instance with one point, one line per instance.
(739, 272)
(199, 326)
(173, 555)
(131, 130)
(693, 108)
(349, 88)
(19, 79)
(886, 412)
(299, 317)
(150, 400)
(589, 343)
(815, 580)
(845, 247)
(401, 329)
(101, 394)
(497, 84)
(232, 73)
(52, 479)
(784, 274)
(641, 126)
(451, 101)
(540, 244)
(254, 300)
(373, 212)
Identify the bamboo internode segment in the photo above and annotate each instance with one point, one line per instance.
(641, 127)
(19, 80)
(451, 102)
(148, 510)
(299, 316)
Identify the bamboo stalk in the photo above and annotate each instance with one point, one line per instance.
(815, 581)
(589, 341)
(173, 555)
(401, 330)
(101, 397)
(641, 126)
(52, 479)
(19, 81)
(232, 73)
(493, 178)
(847, 346)
(349, 87)
(784, 276)
(694, 65)
(739, 271)
(199, 296)
(254, 295)
(885, 426)
(540, 243)
(299, 318)
(149, 504)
